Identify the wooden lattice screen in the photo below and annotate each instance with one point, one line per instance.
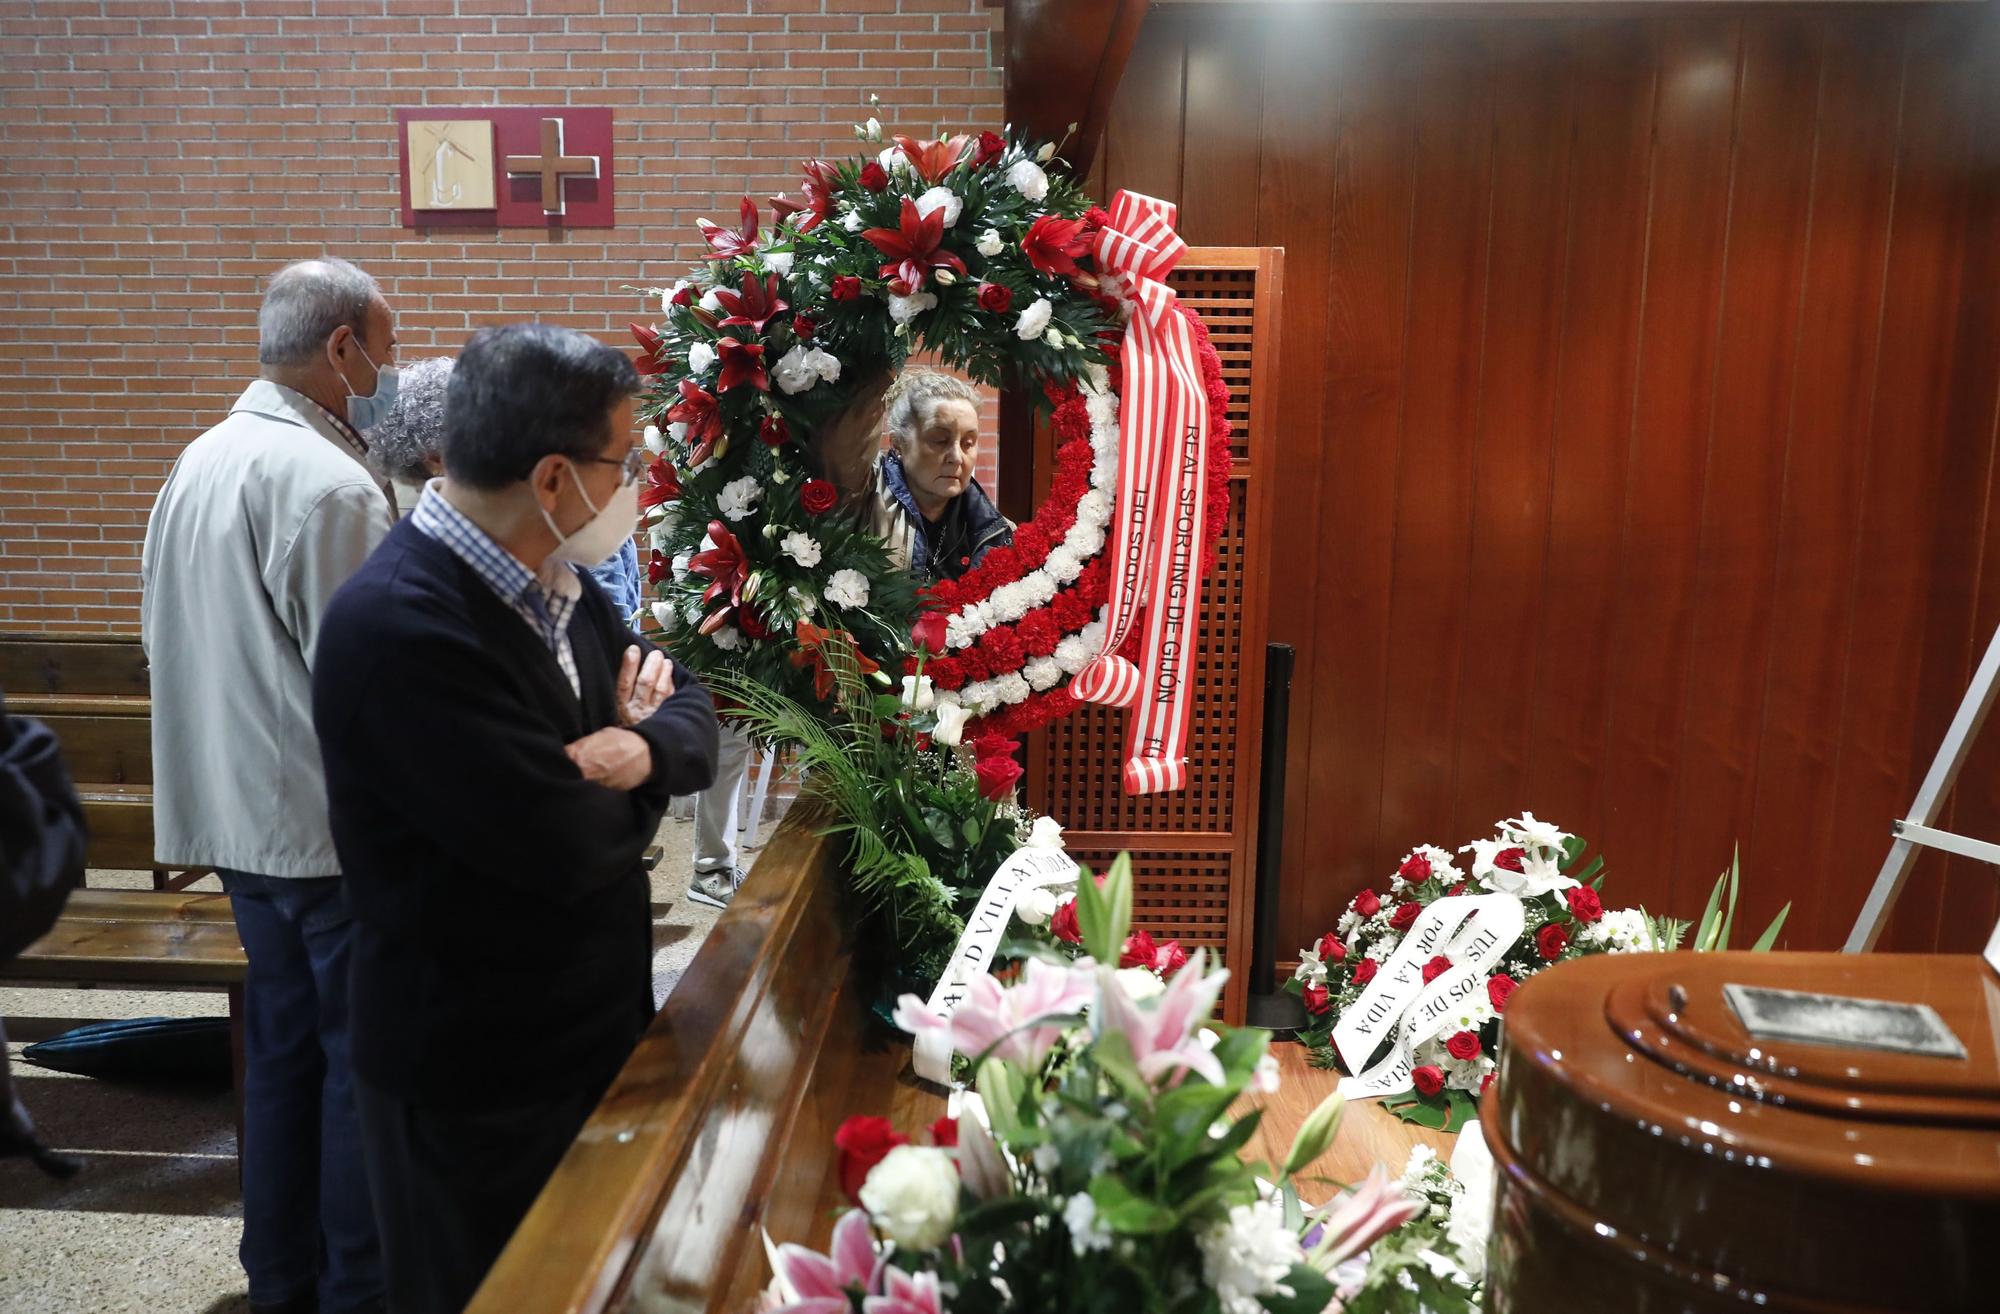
(1195, 852)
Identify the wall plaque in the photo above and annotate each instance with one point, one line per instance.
(506, 166)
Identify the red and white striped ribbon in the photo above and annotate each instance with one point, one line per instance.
(1156, 528)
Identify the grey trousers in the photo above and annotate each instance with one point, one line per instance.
(716, 808)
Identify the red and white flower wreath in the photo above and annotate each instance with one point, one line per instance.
(1031, 616)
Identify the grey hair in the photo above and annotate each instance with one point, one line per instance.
(414, 427)
(913, 394)
(305, 302)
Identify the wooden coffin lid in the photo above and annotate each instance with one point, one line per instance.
(1634, 1106)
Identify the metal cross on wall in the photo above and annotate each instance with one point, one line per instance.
(553, 166)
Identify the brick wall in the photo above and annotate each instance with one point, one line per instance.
(158, 159)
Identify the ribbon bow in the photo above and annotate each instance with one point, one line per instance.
(1156, 528)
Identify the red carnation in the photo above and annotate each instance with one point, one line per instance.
(774, 431)
(1436, 968)
(1428, 1079)
(944, 1133)
(1551, 940)
(1499, 989)
(1464, 1046)
(873, 176)
(846, 287)
(1139, 950)
(817, 496)
(1038, 633)
(1509, 859)
(1316, 999)
(972, 665)
(1003, 649)
(997, 777)
(1367, 903)
(863, 1143)
(996, 297)
(1364, 971)
(1331, 950)
(1584, 905)
(1415, 868)
(1063, 925)
(1405, 916)
(945, 672)
(928, 632)
(1053, 244)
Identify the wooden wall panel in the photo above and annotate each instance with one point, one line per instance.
(1636, 423)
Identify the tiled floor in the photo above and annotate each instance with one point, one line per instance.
(153, 1221)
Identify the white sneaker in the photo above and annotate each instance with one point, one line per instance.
(715, 888)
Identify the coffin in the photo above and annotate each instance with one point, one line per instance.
(1654, 1155)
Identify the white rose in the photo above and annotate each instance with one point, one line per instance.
(1046, 833)
(904, 309)
(794, 372)
(990, 244)
(918, 695)
(1037, 905)
(871, 130)
(913, 1196)
(655, 442)
(709, 303)
(951, 719)
(739, 497)
(1027, 178)
(728, 638)
(700, 357)
(893, 159)
(1034, 319)
(940, 198)
(800, 547)
(847, 588)
(778, 262)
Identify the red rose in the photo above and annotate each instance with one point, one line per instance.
(997, 776)
(1367, 903)
(1509, 859)
(873, 176)
(1139, 950)
(1485, 1081)
(1415, 868)
(1428, 1079)
(804, 326)
(1404, 917)
(863, 1143)
(995, 745)
(1499, 989)
(846, 287)
(1316, 999)
(944, 1133)
(928, 632)
(1457, 889)
(751, 622)
(1063, 924)
(1170, 958)
(1464, 1046)
(1584, 905)
(774, 431)
(1436, 968)
(996, 297)
(1364, 971)
(656, 567)
(1331, 950)
(991, 145)
(817, 496)
(684, 297)
(1551, 940)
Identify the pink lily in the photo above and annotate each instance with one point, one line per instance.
(980, 1163)
(1162, 1032)
(906, 1295)
(811, 1283)
(1021, 1023)
(1357, 1220)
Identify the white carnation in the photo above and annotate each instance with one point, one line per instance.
(1027, 178)
(800, 547)
(655, 442)
(682, 562)
(739, 497)
(1034, 320)
(1248, 1256)
(667, 297)
(1043, 673)
(851, 221)
(913, 1195)
(709, 303)
(794, 372)
(904, 309)
(825, 364)
(700, 357)
(847, 588)
(663, 612)
(940, 198)
(778, 262)
(990, 244)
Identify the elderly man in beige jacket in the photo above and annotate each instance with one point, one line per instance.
(261, 519)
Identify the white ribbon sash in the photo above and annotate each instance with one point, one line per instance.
(1027, 869)
(1475, 932)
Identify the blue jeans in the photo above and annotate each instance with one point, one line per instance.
(307, 1222)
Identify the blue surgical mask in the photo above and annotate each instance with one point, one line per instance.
(364, 413)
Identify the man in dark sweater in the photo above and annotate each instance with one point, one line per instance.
(499, 749)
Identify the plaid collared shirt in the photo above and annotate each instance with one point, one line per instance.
(341, 427)
(546, 601)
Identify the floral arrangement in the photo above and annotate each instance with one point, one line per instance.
(1116, 1185)
(964, 246)
(1564, 918)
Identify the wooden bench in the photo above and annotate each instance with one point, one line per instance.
(148, 940)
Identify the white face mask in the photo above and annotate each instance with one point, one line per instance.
(600, 537)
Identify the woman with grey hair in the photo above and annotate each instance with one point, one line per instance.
(408, 445)
(936, 519)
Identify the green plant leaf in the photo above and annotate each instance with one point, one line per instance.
(1000, 1088)
(1770, 935)
(1126, 1212)
(1310, 1292)
(1704, 930)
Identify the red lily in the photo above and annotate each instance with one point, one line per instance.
(1052, 245)
(822, 180)
(913, 248)
(811, 655)
(934, 159)
(652, 360)
(698, 411)
(725, 564)
(742, 362)
(732, 242)
(663, 483)
(755, 304)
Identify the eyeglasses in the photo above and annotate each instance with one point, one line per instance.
(628, 469)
